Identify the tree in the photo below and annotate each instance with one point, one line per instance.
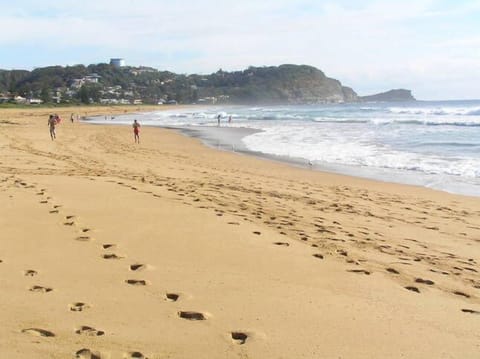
(89, 93)
(45, 95)
(83, 95)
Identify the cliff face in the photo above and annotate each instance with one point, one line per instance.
(389, 96)
(291, 84)
(349, 95)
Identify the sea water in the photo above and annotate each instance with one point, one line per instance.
(432, 144)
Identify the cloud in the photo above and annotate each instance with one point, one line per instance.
(370, 45)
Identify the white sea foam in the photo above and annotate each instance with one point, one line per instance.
(438, 111)
(354, 149)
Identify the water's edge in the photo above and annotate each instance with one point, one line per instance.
(230, 139)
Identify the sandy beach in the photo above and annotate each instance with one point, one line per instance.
(172, 249)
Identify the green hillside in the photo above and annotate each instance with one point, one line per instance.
(104, 83)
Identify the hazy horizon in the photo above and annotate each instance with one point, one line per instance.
(429, 47)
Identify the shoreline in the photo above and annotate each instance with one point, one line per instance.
(230, 139)
(172, 248)
(209, 137)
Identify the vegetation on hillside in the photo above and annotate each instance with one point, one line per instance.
(104, 83)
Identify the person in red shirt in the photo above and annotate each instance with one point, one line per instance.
(136, 131)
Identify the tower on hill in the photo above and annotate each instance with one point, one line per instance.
(118, 62)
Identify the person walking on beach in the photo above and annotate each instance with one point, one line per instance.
(52, 122)
(71, 118)
(218, 119)
(136, 131)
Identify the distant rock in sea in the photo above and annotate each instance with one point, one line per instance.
(389, 96)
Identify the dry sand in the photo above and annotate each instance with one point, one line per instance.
(170, 249)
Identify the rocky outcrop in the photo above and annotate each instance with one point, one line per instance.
(349, 95)
(292, 84)
(389, 96)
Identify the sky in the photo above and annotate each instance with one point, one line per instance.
(431, 47)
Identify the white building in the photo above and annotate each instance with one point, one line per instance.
(92, 78)
(118, 62)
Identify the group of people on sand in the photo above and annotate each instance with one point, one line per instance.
(54, 120)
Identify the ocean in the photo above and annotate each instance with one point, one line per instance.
(433, 144)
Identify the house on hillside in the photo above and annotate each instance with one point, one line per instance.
(20, 99)
(76, 83)
(4, 97)
(92, 78)
(89, 79)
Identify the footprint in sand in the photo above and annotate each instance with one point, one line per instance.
(413, 289)
(424, 281)
(84, 238)
(285, 244)
(470, 311)
(257, 233)
(30, 273)
(111, 256)
(40, 289)
(461, 294)
(71, 223)
(134, 355)
(172, 297)
(192, 315)
(109, 246)
(239, 337)
(137, 267)
(391, 270)
(137, 282)
(78, 307)
(38, 332)
(87, 354)
(85, 230)
(318, 255)
(89, 331)
(359, 271)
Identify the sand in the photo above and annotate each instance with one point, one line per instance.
(172, 249)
